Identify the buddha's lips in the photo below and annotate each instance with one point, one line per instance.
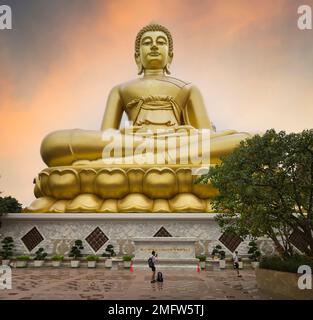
(154, 54)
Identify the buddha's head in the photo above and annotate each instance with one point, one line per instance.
(153, 48)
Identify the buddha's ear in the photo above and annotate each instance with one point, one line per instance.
(169, 61)
(139, 64)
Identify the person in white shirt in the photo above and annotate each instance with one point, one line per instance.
(236, 262)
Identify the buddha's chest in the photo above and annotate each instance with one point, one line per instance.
(145, 88)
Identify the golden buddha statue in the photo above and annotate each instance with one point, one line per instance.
(147, 166)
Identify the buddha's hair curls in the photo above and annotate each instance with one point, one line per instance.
(153, 27)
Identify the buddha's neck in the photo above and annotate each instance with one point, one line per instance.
(153, 72)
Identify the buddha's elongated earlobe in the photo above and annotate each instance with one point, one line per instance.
(139, 64)
(140, 69)
(167, 69)
(168, 64)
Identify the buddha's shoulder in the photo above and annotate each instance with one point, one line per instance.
(175, 81)
(144, 81)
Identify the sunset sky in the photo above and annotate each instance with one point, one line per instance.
(252, 64)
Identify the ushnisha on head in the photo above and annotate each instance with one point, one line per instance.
(153, 48)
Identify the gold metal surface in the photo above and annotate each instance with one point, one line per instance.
(79, 180)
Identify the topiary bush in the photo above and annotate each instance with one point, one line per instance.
(40, 254)
(217, 251)
(7, 248)
(109, 251)
(254, 252)
(76, 250)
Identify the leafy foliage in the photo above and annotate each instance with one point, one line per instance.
(7, 248)
(217, 251)
(127, 258)
(92, 258)
(254, 253)
(201, 258)
(40, 254)
(9, 205)
(57, 258)
(266, 188)
(76, 250)
(23, 258)
(289, 264)
(109, 251)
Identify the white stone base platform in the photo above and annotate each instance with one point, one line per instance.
(56, 232)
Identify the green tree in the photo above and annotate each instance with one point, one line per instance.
(266, 188)
(9, 205)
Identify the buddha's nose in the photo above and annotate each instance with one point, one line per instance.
(154, 47)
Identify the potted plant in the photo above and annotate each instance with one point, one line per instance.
(92, 261)
(219, 254)
(7, 250)
(39, 258)
(21, 261)
(254, 254)
(75, 253)
(202, 259)
(222, 259)
(109, 253)
(57, 260)
(127, 261)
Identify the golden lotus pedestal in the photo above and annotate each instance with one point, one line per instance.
(115, 189)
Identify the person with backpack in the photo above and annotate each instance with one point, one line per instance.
(151, 263)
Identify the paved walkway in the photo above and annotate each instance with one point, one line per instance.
(83, 283)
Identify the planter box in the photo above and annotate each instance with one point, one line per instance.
(255, 264)
(75, 264)
(91, 264)
(222, 264)
(213, 264)
(5, 262)
(21, 264)
(38, 263)
(108, 263)
(202, 264)
(283, 285)
(127, 264)
(56, 264)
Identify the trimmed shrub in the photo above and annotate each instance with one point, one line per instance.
(289, 264)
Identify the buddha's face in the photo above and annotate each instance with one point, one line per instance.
(154, 50)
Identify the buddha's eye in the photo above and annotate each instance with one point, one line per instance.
(161, 41)
(147, 42)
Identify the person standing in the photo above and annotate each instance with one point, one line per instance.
(236, 262)
(152, 262)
